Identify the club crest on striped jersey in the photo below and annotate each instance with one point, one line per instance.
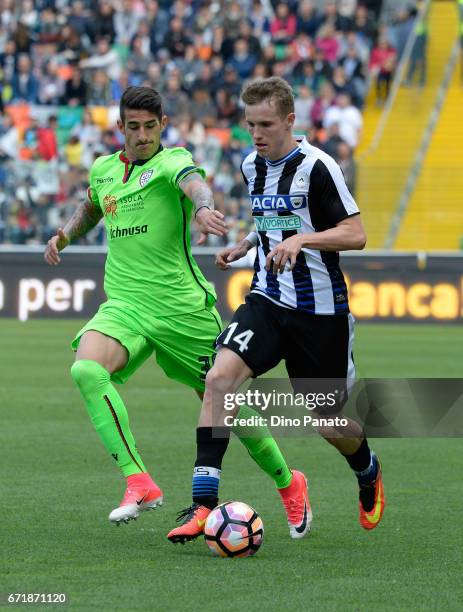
(145, 177)
(261, 202)
(301, 180)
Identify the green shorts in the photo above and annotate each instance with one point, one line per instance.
(184, 345)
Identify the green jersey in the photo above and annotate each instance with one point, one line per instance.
(147, 217)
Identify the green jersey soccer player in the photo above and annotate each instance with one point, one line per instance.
(158, 300)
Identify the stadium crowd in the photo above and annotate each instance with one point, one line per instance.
(65, 63)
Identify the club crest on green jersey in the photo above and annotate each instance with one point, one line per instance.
(110, 205)
(145, 177)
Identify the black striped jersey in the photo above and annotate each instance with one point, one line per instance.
(301, 193)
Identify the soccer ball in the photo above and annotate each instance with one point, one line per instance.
(234, 529)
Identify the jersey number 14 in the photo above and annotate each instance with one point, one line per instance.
(242, 339)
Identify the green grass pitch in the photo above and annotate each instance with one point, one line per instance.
(58, 486)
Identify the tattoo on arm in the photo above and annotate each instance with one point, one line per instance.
(85, 217)
(199, 192)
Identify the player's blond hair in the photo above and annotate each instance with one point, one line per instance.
(273, 89)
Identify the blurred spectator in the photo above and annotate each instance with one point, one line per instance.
(24, 83)
(359, 43)
(30, 140)
(331, 17)
(28, 15)
(242, 60)
(51, 86)
(9, 60)
(154, 77)
(203, 21)
(417, 63)
(301, 48)
(260, 21)
(176, 41)
(159, 21)
(47, 145)
(227, 107)
(223, 179)
(73, 152)
(230, 81)
(176, 102)
(104, 58)
(23, 39)
(103, 21)
(89, 135)
(231, 20)
(28, 193)
(202, 108)
(382, 66)
(327, 42)
(346, 12)
(401, 29)
(322, 103)
(79, 19)
(126, 21)
(71, 47)
(374, 7)
(9, 140)
(308, 20)
(342, 85)
(109, 144)
(332, 140)
(322, 66)
(75, 90)
(304, 74)
(99, 90)
(354, 71)
(348, 118)
(364, 24)
(143, 33)
(48, 26)
(246, 33)
(283, 26)
(138, 61)
(120, 85)
(302, 107)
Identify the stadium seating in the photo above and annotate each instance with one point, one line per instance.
(382, 173)
(434, 218)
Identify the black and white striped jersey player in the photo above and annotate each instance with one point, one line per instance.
(295, 202)
(297, 309)
(302, 193)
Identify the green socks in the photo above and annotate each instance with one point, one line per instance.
(108, 414)
(110, 419)
(263, 449)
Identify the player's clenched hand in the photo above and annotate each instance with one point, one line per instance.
(226, 256)
(54, 246)
(286, 251)
(210, 222)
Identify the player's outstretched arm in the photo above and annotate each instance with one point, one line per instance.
(209, 221)
(226, 256)
(85, 217)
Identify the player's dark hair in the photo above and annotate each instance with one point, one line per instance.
(141, 98)
(273, 89)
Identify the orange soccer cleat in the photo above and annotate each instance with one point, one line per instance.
(193, 520)
(372, 501)
(142, 493)
(295, 499)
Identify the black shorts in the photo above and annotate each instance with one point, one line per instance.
(313, 346)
